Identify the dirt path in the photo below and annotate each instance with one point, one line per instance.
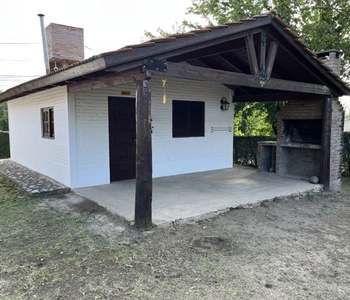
(295, 248)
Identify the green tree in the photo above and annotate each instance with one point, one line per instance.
(256, 118)
(221, 11)
(250, 120)
(4, 123)
(321, 24)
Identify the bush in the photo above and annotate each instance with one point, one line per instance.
(4, 144)
(346, 154)
(245, 149)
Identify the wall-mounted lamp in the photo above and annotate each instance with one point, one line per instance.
(224, 104)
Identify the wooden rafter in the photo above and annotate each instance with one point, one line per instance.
(231, 66)
(264, 69)
(252, 59)
(271, 58)
(223, 64)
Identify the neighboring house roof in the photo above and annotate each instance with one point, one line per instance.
(219, 47)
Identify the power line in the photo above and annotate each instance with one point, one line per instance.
(19, 43)
(18, 76)
(22, 60)
(92, 49)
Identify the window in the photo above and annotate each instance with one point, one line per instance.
(47, 120)
(188, 118)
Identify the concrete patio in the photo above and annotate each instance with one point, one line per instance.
(197, 195)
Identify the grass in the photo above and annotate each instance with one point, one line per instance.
(48, 250)
(48, 253)
(309, 196)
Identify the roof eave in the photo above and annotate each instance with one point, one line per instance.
(199, 39)
(336, 85)
(55, 79)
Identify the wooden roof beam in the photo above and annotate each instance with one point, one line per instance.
(109, 80)
(238, 79)
(280, 96)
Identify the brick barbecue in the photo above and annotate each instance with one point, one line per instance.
(298, 149)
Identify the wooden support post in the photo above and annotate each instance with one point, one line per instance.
(326, 143)
(143, 195)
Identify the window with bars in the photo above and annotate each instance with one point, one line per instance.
(48, 122)
(188, 118)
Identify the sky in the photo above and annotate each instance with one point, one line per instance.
(108, 25)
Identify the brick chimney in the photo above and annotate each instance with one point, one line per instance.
(65, 45)
(332, 59)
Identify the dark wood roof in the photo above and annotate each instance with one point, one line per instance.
(220, 47)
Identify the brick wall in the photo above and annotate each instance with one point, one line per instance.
(302, 110)
(301, 161)
(307, 162)
(65, 42)
(266, 158)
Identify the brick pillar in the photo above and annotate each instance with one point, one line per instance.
(337, 128)
(332, 134)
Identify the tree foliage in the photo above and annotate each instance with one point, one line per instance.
(250, 120)
(4, 124)
(321, 24)
(256, 118)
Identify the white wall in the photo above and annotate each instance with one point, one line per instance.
(47, 156)
(90, 145)
(171, 155)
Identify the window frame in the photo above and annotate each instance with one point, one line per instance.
(47, 122)
(188, 119)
